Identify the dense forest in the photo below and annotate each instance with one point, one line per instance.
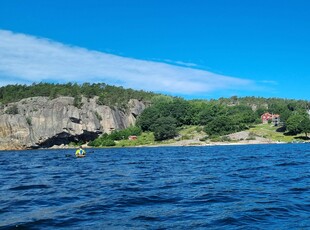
(221, 117)
(107, 94)
(165, 114)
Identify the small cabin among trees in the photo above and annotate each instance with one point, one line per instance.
(132, 138)
(273, 118)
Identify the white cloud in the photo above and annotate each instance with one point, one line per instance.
(180, 63)
(25, 58)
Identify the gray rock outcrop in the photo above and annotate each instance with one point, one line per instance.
(41, 122)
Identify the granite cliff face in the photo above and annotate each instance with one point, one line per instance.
(41, 122)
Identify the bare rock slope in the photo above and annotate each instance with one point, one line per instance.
(41, 122)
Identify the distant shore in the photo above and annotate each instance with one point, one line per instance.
(193, 143)
(240, 138)
(184, 143)
(175, 144)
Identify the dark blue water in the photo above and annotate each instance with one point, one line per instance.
(222, 187)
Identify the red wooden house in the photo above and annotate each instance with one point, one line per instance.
(274, 118)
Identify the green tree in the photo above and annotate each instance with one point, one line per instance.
(221, 126)
(305, 125)
(210, 111)
(196, 107)
(285, 115)
(77, 102)
(165, 128)
(148, 117)
(180, 110)
(242, 114)
(158, 99)
(293, 123)
(53, 94)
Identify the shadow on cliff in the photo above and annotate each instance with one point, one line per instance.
(65, 138)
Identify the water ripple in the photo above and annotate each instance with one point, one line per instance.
(220, 187)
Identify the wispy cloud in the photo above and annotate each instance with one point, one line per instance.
(180, 63)
(25, 58)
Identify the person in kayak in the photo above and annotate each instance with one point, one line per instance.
(80, 151)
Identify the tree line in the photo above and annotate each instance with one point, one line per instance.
(222, 116)
(107, 94)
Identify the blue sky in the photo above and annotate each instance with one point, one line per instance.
(189, 48)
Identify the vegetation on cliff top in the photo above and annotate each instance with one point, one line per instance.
(107, 94)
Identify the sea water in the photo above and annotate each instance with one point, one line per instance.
(213, 187)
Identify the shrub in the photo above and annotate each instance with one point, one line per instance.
(204, 138)
(225, 138)
(77, 102)
(28, 120)
(103, 141)
(125, 133)
(12, 110)
(98, 116)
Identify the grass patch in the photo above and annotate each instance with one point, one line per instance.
(146, 138)
(191, 131)
(270, 132)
